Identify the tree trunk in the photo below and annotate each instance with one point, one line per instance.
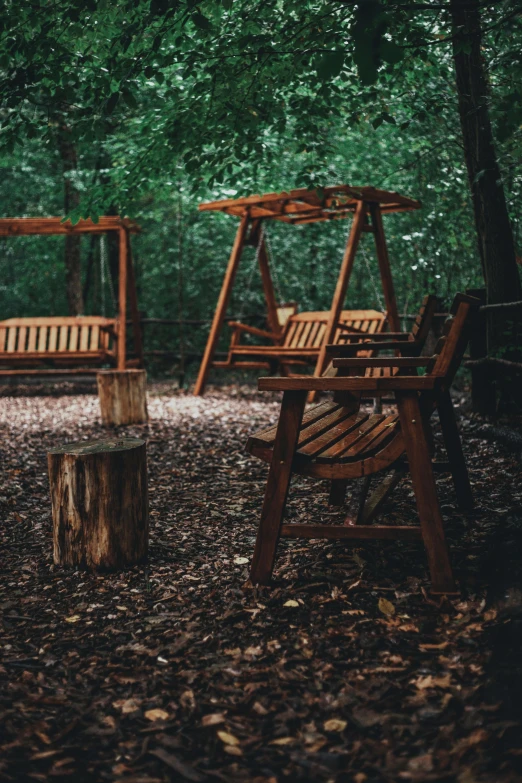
(123, 396)
(73, 270)
(99, 503)
(495, 236)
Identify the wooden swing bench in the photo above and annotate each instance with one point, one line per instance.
(300, 341)
(51, 345)
(338, 441)
(57, 344)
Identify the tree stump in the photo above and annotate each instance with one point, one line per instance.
(123, 396)
(100, 503)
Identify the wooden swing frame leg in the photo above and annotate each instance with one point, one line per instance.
(432, 530)
(277, 485)
(454, 451)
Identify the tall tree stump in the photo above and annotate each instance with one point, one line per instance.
(99, 503)
(123, 396)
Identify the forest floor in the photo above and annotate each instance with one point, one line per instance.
(345, 671)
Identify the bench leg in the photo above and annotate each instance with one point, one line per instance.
(277, 485)
(453, 445)
(337, 493)
(425, 493)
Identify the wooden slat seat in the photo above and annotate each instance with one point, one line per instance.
(339, 440)
(56, 341)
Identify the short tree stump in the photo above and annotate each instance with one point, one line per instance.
(123, 396)
(100, 503)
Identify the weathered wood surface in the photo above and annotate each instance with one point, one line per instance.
(337, 441)
(55, 225)
(99, 503)
(123, 396)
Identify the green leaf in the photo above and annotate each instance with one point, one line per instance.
(111, 103)
(330, 65)
(390, 52)
(201, 21)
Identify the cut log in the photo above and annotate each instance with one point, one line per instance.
(99, 503)
(123, 396)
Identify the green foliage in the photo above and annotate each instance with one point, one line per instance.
(183, 101)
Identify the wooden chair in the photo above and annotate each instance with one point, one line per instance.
(300, 340)
(59, 342)
(338, 441)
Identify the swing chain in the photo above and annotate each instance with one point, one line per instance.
(372, 279)
(273, 267)
(250, 277)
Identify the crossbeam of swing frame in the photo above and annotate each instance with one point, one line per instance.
(361, 202)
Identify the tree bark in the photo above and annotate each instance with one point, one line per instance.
(73, 270)
(495, 236)
(99, 503)
(123, 396)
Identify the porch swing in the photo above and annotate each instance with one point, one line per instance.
(295, 338)
(57, 345)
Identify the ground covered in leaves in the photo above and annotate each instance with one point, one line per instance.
(344, 671)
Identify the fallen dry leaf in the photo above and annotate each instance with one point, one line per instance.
(157, 714)
(334, 724)
(227, 739)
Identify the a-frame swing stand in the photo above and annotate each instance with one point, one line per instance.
(366, 204)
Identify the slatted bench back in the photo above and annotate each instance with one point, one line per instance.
(55, 337)
(306, 330)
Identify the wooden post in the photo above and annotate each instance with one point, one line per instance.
(277, 486)
(133, 301)
(384, 268)
(483, 393)
(419, 461)
(123, 396)
(221, 308)
(268, 288)
(122, 300)
(342, 284)
(99, 503)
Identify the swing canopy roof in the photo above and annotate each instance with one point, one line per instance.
(56, 225)
(311, 206)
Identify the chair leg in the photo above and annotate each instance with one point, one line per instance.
(337, 492)
(453, 445)
(419, 461)
(276, 492)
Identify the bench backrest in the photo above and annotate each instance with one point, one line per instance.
(450, 348)
(56, 335)
(306, 330)
(422, 324)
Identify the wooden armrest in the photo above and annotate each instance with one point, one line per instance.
(239, 327)
(348, 350)
(325, 383)
(365, 336)
(384, 361)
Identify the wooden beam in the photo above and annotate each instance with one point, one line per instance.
(122, 300)
(342, 285)
(384, 268)
(402, 532)
(55, 225)
(340, 383)
(221, 308)
(133, 301)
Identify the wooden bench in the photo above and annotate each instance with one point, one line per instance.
(60, 343)
(300, 340)
(339, 441)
